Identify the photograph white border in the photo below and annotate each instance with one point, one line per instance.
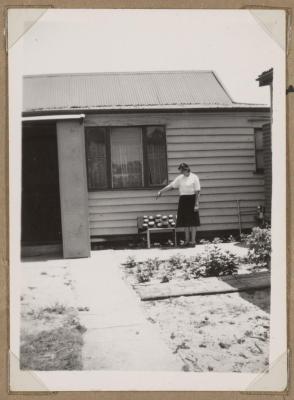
(275, 380)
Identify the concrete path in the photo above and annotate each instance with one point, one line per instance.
(118, 335)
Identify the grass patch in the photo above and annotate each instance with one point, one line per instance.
(56, 349)
(51, 339)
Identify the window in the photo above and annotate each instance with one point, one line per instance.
(259, 153)
(126, 157)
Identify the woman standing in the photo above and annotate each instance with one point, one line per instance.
(188, 207)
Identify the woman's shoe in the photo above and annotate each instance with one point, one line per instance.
(191, 244)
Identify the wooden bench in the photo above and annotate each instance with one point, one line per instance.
(148, 231)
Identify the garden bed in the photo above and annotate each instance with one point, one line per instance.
(219, 333)
(208, 261)
(226, 332)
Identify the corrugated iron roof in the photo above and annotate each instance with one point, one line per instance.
(266, 78)
(125, 90)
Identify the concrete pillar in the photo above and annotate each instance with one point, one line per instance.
(73, 189)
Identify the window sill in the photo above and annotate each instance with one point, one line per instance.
(131, 188)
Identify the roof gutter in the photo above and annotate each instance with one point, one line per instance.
(56, 117)
(56, 114)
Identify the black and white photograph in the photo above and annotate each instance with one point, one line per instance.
(147, 199)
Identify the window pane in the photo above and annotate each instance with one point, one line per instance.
(126, 157)
(156, 156)
(258, 139)
(96, 158)
(259, 160)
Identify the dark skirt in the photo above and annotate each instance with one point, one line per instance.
(186, 214)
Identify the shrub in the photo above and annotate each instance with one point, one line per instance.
(147, 269)
(193, 268)
(204, 241)
(152, 264)
(143, 274)
(259, 247)
(130, 262)
(231, 239)
(217, 240)
(166, 271)
(215, 262)
(176, 260)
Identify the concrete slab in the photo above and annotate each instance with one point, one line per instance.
(127, 348)
(118, 335)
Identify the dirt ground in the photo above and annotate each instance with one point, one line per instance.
(51, 335)
(220, 333)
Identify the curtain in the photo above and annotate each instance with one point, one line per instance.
(156, 156)
(96, 158)
(126, 157)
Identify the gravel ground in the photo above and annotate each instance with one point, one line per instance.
(220, 333)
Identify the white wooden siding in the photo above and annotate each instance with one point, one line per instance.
(218, 147)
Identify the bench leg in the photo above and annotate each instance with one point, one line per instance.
(175, 237)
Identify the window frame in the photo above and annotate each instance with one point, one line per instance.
(144, 158)
(259, 171)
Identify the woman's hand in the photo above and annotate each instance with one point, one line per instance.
(158, 194)
(196, 207)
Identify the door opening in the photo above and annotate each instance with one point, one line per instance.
(40, 211)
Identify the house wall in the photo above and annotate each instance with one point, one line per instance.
(267, 143)
(218, 146)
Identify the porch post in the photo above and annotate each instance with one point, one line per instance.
(73, 189)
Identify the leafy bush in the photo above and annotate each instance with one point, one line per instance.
(259, 247)
(152, 264)
(143, 275)
(231, 239)
(215, 262)
(193, 268)
(130, 262)
(145, 271)
(176, 260)
(217, 240)
(204, 241)
(168, 270)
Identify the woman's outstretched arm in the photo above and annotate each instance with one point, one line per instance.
(165, 189)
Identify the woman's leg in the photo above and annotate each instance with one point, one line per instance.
(187, 234)
(193, 234)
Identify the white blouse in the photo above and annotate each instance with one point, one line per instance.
(186, 184)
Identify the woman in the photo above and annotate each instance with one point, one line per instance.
(188, 207)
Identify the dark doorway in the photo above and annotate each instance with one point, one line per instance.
(40, 213)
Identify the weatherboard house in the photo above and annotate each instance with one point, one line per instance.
(97, 147)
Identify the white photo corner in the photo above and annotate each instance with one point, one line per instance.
(147, 181)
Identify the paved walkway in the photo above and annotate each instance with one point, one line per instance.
(118, 335)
